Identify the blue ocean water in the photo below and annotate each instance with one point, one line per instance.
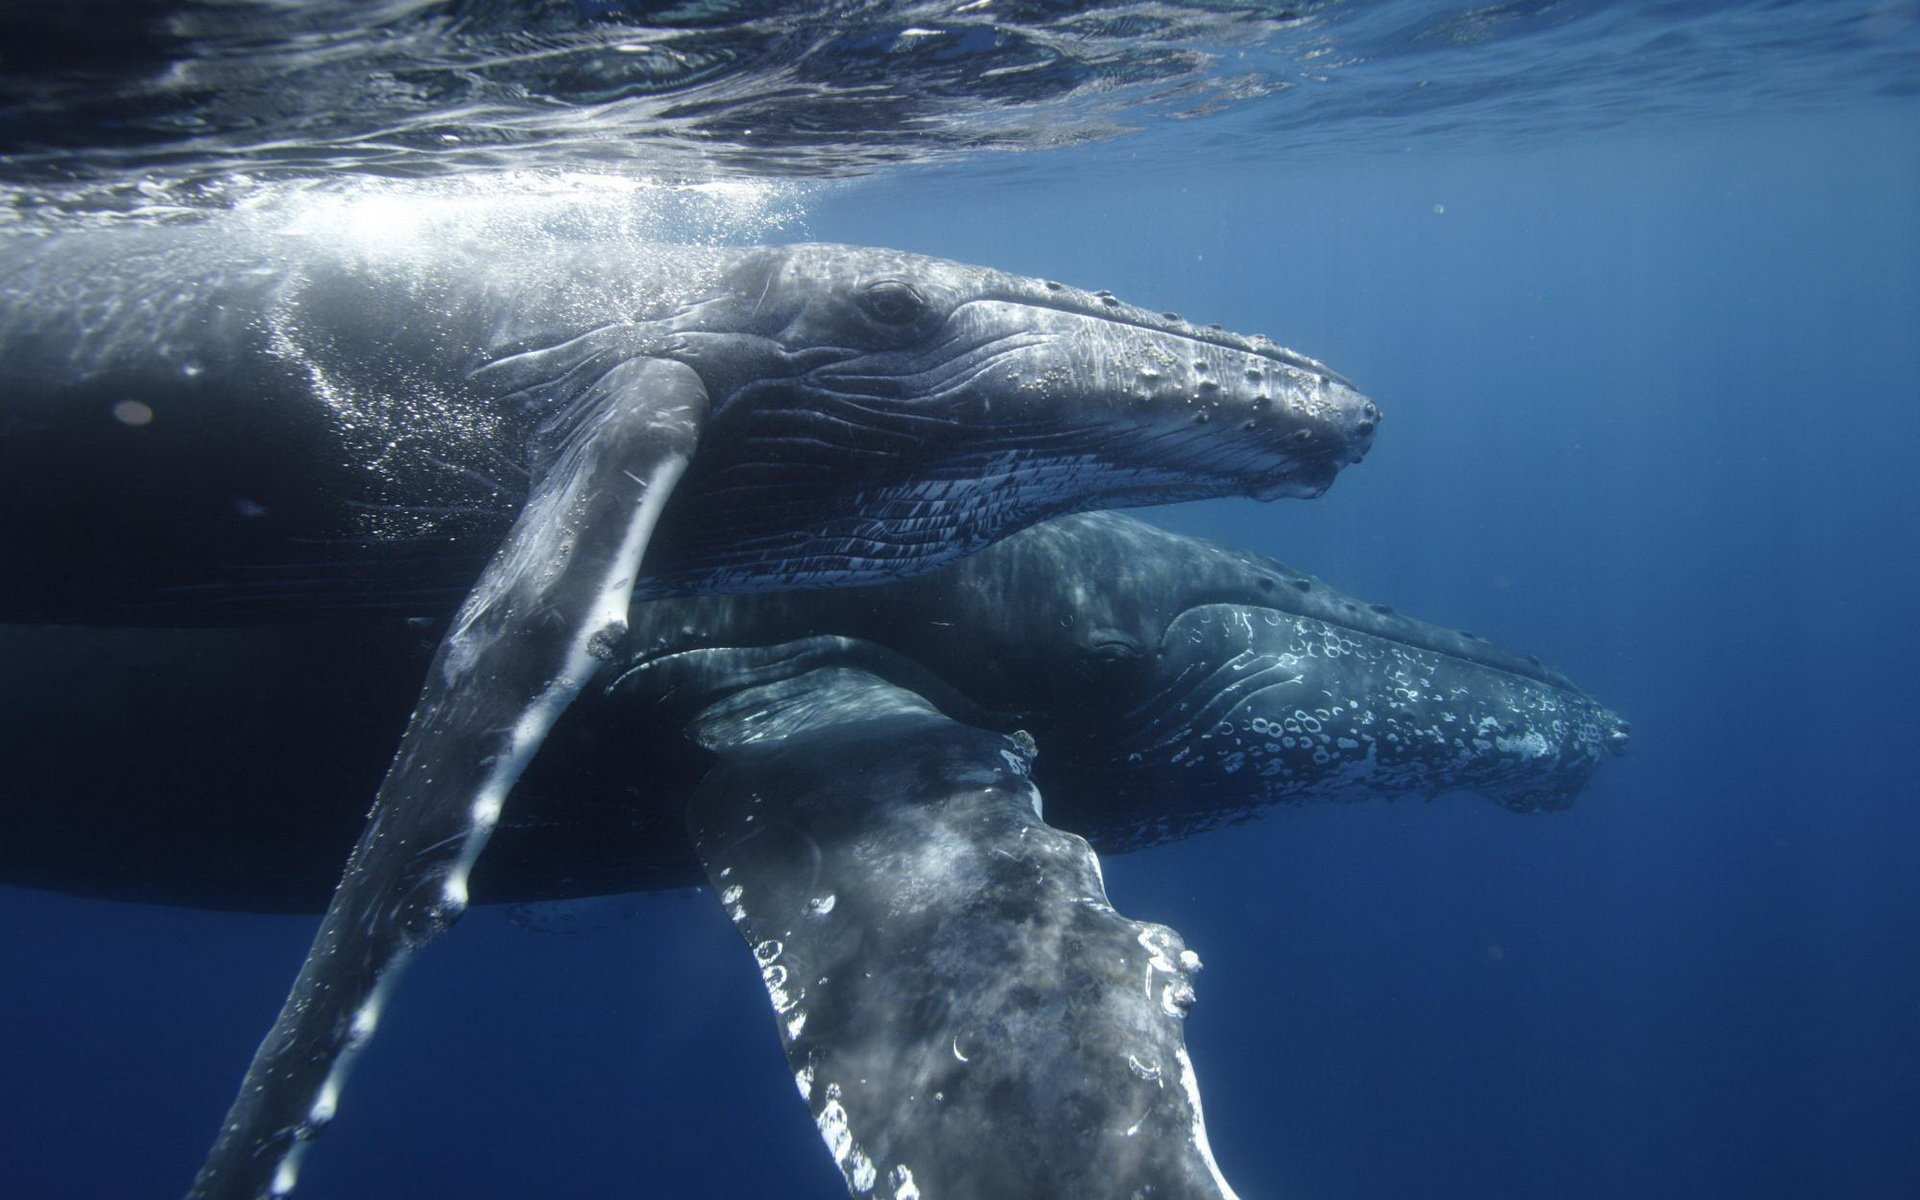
(1651, 412)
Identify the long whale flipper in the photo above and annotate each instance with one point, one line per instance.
(549, 609)
(966, 1015)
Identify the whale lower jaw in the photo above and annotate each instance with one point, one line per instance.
(745, 541)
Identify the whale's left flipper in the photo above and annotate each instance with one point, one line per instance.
(550, 607)
(966, 1015)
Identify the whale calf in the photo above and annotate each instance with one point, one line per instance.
(864, 771)
(1078, 631)
(235, 425)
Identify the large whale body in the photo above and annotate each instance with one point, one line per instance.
(209, 423)
(222, 425)
(1078, 631)
(922, 931)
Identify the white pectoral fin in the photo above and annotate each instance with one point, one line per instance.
(548, 609)
(965, 1014)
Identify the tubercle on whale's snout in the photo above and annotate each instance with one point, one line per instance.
(1357, 419)
(1265, 409)
(1330, 427)
(1618, 736)
(1108, 307)
(1310, 420)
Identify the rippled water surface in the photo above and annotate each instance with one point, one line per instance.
(130, 103)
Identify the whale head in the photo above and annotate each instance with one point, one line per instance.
(1191, 683)
(960, 403)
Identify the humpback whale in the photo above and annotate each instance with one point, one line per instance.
(237, 426)
(839, 734)
(217, 717)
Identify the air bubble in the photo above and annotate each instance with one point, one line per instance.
(133, 413)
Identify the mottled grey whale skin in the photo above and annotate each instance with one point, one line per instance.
(239, 425)
(1079, 631)
(875, 852)
(1172, 682)
(864, 772)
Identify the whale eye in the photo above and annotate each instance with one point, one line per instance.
(892, 302)
(1105, 653)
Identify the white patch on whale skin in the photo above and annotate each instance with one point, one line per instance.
(464, 646)
(862, 1175)
(327, 1101)
(1177, 993)
(1190, 1084)
(609, 608)
(327, 1104)
(364, 1021)
(1152, 939)
(904, 1188)
(854, 1162)
(1529, 745)
(776, 977)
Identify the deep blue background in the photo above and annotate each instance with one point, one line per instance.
(1653, 412)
